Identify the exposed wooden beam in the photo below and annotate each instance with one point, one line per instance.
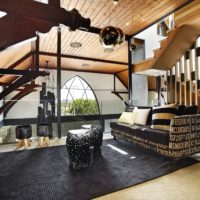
(18, 83)
(130, 72)
(46, 12)
(77, 70)
(22, 72)
(54, 3)
(59, 82)
(83, 58)
(4, 84)
(15, 64)
(37, 56)
(32, 16)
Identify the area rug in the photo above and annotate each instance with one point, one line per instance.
(44, 174)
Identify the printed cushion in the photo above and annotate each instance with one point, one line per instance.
(127, 117)
(161, 116)
(141, 116)
(187, 110)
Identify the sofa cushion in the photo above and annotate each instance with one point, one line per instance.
(144, 132)
(141, 116)
(127, 117)
(131, 108)
(187, 110)
(161, 116)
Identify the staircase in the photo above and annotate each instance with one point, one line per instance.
(178, 41)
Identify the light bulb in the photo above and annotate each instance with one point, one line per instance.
(115, 2)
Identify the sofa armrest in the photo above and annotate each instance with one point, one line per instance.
(184, 136)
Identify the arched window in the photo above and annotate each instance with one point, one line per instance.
(78, 98)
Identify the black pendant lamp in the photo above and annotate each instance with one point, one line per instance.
(111, 36)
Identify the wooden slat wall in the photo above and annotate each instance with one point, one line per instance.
(183, 80)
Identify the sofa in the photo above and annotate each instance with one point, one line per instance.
(182, 139)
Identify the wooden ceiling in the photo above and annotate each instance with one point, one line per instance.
(131, 16)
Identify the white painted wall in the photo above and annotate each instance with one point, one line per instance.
(151, 40)
(140, 90)
(102, 84)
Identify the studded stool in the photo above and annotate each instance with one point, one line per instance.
(80, 148)
(97, 136)
(44, 131)
(23, 133)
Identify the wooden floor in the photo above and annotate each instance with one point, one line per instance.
(183, 184)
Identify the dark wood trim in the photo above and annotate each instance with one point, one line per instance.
(198, 51)
(158, 87)
(118, 95)
(158, 20)
(5, 84)
(63, 119)
(37, 56)
(59, 82)
(76, 70)
(16, 72)
(121, 92)
(83, 58)
(130, 72)
(121, 81)
(18, 83)
(54, 3)
(114, 82)
(15, 64)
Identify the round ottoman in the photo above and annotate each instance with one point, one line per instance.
(44, 131)
(23, 133)
(80, 147)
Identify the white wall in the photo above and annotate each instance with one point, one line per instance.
(151, 40)
(140, 90)
(102, 85)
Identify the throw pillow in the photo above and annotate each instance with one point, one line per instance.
(161, 116)
(141, 115)
(127, 117)
(187, 110)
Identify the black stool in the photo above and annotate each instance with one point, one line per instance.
(23, 133)
(80, 147)
(44, 131)
(97, 136)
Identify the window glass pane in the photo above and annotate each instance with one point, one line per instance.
(78, 98)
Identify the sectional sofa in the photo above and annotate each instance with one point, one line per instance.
(182, 140)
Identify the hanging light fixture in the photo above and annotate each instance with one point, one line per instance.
(111, 36)
(115, 2)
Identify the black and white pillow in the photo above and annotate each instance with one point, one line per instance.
(161, 116)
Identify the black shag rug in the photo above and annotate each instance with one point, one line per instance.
(44, 174)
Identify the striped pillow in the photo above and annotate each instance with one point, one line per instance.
(161, 116)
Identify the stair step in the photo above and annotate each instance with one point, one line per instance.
(143, 61)
(156, 51)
